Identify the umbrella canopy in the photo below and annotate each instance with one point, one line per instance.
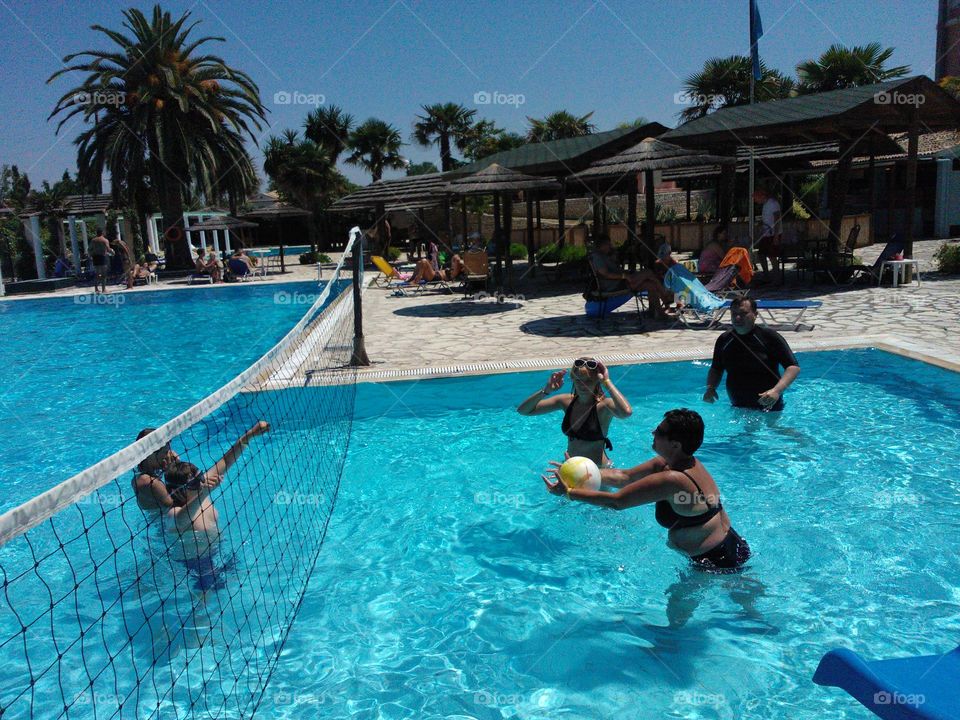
(279, 210)
(497, 179)
(653, 155)
(221, 222)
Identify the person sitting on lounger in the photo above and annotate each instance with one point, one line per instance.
(752, 356)
(425, 272)
(611, 278)
(587, 411)
(712, 254)
(207, 263)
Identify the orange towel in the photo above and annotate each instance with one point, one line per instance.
(741, 258)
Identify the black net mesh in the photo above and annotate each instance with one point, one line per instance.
(110, 610)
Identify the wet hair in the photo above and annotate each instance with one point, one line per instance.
(99, 230)
(182, 476)
(685, 427)
(748, 300)
(143, 433)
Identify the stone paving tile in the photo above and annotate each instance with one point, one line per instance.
(437, 329)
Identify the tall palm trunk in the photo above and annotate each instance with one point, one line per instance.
(445, 163)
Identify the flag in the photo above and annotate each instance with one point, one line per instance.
(756, 32)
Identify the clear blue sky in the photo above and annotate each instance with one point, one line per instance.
(384, 58)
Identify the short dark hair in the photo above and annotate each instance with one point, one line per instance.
(684, 426)
(143, 433)
(99, 230)
(602, 239)
(749, 300)
(722, 227)
(181, 475)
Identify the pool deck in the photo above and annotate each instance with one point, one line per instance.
(436, 334)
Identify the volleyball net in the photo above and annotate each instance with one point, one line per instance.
(163, 581)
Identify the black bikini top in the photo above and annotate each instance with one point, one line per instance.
(669, 518)
(590, 429)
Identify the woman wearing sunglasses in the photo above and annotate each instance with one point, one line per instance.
(587, 410)
(685, 495)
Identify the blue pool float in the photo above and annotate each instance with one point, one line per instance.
(911, 688)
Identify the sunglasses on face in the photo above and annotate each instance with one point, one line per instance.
(588, 364)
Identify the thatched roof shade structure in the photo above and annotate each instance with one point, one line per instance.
(858, 118)
(416, 188)
(498, 179)
(277, 213)
(650, 155)
(559, 158)
(221, 222)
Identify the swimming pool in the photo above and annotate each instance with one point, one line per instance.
(81, 376)
(452, 585)
(287, 250)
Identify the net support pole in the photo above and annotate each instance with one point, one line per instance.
(359, 357)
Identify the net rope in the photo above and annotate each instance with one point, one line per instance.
(113, 609)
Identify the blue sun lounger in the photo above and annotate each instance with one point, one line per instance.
(911, 688)
(701, 308)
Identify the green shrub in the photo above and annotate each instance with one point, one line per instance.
(548, 253)
(947, 258)
(310, 258)
(518, 251)
(572, 254)
(393, 254)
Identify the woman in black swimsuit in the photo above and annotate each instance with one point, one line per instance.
(686, 496)
(587, 411)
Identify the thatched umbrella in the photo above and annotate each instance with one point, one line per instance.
(500, 181)
(648, 157)
(276, 213)
(227, 223)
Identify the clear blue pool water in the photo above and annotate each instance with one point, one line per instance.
(288, 250)
(452, 585)
(81, 379)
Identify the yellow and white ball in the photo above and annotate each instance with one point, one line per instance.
(580, 472)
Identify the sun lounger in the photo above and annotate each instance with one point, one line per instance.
(910, 688)
(201, 278)
(389, 275)
(701, 308)
(476, 269)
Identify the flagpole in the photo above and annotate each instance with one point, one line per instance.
(753, 50)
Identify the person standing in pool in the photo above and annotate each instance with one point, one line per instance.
(752, 356)
(686, 497)
(148, 484)
(193, 517)
(587, 411)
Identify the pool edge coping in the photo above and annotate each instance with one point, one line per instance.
(886, 342)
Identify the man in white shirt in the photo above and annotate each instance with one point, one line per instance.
(771, 233)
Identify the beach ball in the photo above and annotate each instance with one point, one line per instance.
(580, 472)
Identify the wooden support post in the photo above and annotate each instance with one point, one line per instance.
(508, 232)
(650, 221)
(530, 253)
(561, 216)
(911, 179)
(498, 242)
(838, 198)
(872, 172)
(687, 184)
(632, 239)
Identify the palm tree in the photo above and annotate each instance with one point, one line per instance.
(442, 123)
(423, 168)
(559, 126)
(842, 67)
(329, 127)
(375, 146)
(182, 110)
(639, 122)
(726, 81)
(485, 138)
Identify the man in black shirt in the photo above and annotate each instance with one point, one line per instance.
(752, 356)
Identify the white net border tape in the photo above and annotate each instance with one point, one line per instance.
(20, 519)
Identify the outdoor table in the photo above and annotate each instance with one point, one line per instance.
(898, 268)
(262, 261)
